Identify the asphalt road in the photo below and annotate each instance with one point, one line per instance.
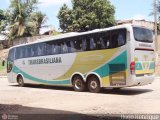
(65, 102)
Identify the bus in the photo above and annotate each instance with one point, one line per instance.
(115, 57)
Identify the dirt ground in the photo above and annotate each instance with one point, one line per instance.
(62, 101)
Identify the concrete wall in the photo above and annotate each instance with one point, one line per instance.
(147, 24)
(25, 40)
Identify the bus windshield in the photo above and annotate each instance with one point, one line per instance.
(143, 34)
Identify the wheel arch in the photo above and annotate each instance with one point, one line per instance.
(19, 75)
(74, 74)
(93, 74)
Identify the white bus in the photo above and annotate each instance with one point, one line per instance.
(115, 57)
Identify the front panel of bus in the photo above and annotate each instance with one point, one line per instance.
(142, 66)
(10, 65)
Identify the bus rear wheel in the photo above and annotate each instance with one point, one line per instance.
(93, 84)
(78, 84)
(20, 81)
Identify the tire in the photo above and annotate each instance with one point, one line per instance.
(20, 81)
(78, 84)
(116, 89)
(94, 84)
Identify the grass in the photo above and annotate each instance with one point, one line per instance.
(2, 69)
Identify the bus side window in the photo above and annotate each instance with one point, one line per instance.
(26, 52)
(20, 52)
(29, 50)
(120, 40)
(48, 48)
(57, 49)
(78, 44)
(39, 49)
(72, 46)
(84, 44)
(102, 42)
(11, 56)
(118, 37)
(106, 39)
(99, 42)
(122, 37)
(114, 38)
(32, 51)
(35, 50)
(52, 49)
(17, 53)
(64, 48)
(68, 46)
(92, 43)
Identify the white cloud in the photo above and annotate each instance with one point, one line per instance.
(47, 3)
(139, 17)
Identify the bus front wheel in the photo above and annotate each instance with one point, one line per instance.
(78, 84)
(93, 84)
(20, 81)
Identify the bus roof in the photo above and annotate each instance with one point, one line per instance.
(73, 34)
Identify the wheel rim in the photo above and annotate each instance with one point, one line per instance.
(20, 81)
(78, 84)
(93, 84)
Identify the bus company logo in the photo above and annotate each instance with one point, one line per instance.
(45, 61)
(145, 57)
(145, 65)
(4, 116)
(144, 45)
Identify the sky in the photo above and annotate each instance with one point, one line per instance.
(125, 9)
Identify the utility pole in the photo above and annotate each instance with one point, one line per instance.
(155, 24)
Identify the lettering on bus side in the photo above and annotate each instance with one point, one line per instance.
(45, 61)
(144, 45)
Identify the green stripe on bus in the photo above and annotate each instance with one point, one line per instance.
(25, 75)
(138, 66)
(152, 65)
(118, 64)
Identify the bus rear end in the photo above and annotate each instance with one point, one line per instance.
(142, 65)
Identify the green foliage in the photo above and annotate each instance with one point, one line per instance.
(65, 17)
(20, 18)
(56, 33)
(2, 69)
(1, 66)
(86, 15)
(2, 20)
(36, 20)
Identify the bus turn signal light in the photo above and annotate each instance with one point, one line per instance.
(132, 67)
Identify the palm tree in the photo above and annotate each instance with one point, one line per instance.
(36, 21)
(18, 16)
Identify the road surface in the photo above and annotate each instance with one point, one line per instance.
(62, 101)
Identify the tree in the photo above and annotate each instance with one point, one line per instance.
(37, 18)
(19, 18)
(2, 20)
(65, 18)
(86, 15)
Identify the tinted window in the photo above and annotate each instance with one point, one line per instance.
(11, 55)
(89, 42)
(118, 38)
(105, 39)
(20, 52)
(143, 34)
